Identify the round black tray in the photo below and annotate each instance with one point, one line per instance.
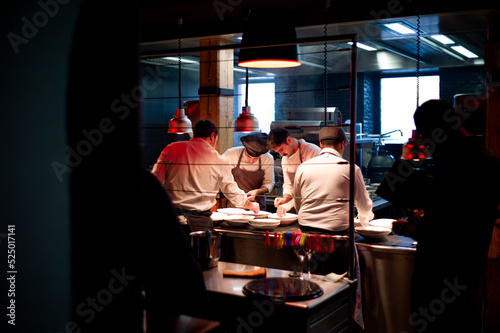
(290, 289)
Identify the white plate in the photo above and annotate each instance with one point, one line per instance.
(239, 218)
(373, 232)
(385, 223)
(260, 215)
(289, 218)
(238, 221)
(218, 216)
(265, 224)
(231, 211)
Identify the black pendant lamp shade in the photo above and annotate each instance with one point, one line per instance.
(270, 26)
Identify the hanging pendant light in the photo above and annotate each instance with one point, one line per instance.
(180, 123)
(414, 149)
(270, 26)
(246, 121)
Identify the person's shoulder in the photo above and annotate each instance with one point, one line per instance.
(311, 146)
(268, 156)
(233, 150)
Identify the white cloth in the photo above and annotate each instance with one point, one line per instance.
(193, 172)
(232, 155)
(291, 163)
(321, 188)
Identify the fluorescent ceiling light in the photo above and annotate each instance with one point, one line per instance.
(462, 50)
(183, 60)
(400, 28)
(363, 46)
(443, 39)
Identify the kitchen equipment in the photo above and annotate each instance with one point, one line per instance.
(381, 161)
(206, 246)
(305, 123)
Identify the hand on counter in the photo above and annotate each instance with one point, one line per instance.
(283, 205)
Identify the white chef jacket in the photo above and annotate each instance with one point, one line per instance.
(291, 163)
(319, 182)
(193, 172)
(232, 155)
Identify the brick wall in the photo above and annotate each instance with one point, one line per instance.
(462, 80)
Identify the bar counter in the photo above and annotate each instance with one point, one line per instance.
(240, 313)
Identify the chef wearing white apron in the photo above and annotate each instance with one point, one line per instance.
(252, 167)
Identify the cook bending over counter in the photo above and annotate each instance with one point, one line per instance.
(293, 152)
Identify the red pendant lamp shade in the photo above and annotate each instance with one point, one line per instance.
(180, 124)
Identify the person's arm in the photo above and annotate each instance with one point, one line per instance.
(297, 189)
(160, 167)
(231, 190)
(268, 166)
(362, 200)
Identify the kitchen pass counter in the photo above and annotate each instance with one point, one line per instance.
(238, 312)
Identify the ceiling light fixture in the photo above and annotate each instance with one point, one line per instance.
(465, 52)
(269, 26)
(364, 46)
(443, 39)
(400, 28)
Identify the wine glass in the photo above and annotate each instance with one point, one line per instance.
(309, 251)
(301, 254)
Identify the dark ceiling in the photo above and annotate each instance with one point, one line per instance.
(393, 51)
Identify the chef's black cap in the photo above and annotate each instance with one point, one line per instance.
(255, 144)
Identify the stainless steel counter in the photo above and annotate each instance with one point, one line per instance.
(386, 267)
(238, 312)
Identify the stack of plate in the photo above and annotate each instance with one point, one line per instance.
(384, 223)
(265, 224)
(289, 218)
(260, 215)
(231, 211)
(238, 221)
(373, 232)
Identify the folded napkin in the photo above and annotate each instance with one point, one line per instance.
(261, 272)
(332, 277)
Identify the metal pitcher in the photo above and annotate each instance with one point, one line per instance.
(206, 247)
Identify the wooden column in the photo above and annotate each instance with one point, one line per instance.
(216, 90)
(492, 64)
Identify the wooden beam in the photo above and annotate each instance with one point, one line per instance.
(216, 75)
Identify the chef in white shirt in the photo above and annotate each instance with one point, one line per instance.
(293, 152)
(321, 187)
(193, 172)
(252, 167)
